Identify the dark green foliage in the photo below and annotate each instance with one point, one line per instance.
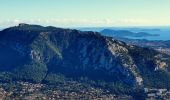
(119, 88)
(159, 79)
(6, 77)
(113, 87)
(9, 58)
(54, 79)
(139, 94)
(34, 72)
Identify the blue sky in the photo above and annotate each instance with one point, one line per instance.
(85, 13)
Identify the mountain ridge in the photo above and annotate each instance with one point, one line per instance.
(73, 53)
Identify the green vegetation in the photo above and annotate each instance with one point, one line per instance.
(159, 79)
(6, 77)
(55, 79)
(34, 72)
(54, 48)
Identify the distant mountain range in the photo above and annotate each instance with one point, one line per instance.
(33, 53)
(126, 36)
(134, 29)
(125, 33)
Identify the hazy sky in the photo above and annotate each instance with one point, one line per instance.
(79, 13)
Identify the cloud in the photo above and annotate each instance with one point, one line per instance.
(133, 21)
(85, 22)
(142, 22)
(60, 22)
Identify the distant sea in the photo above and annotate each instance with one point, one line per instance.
(163, 35)
(164, 32)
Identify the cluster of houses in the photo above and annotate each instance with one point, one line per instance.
(164, 50)
(29, 91)
(153, 94)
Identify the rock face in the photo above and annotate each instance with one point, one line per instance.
(35, 51)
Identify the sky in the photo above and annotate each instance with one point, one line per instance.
(85, 13)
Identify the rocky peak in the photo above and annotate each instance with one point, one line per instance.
(23, 25)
